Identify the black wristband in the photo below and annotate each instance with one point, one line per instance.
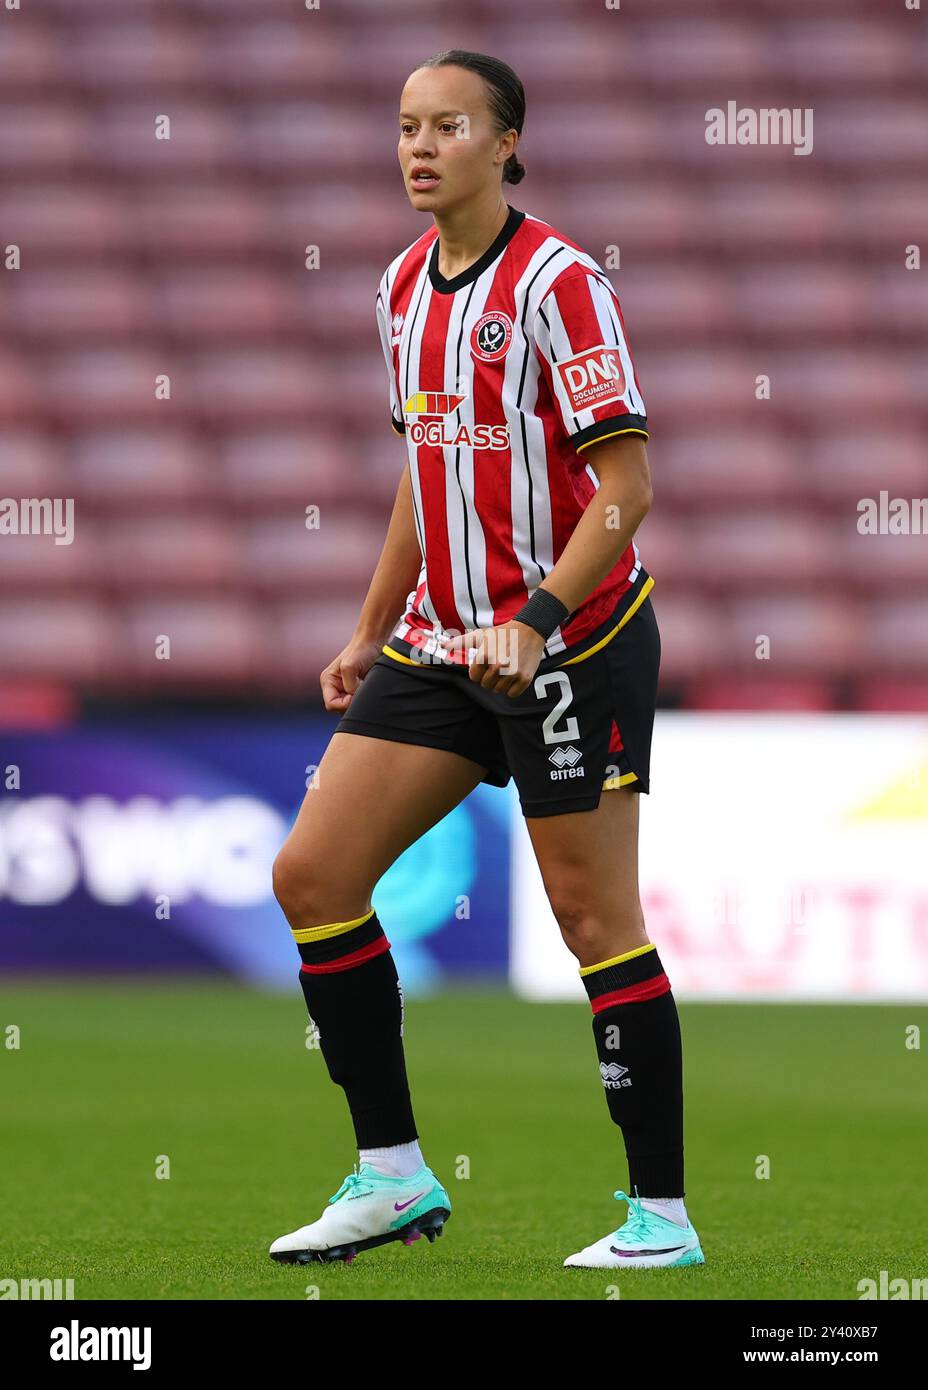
(544, 612)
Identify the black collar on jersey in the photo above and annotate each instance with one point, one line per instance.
(506, 232)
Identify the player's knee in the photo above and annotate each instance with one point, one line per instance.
(283, 880)
(294, 886)
(583, 930)
(309, 893)
(592, 932)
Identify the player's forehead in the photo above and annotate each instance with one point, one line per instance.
(431, 93)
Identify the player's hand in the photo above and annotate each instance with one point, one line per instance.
(505, 657)
(341, 677)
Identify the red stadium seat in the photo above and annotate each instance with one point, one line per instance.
(264, 54)
(691, 634)
(173, 551)
(897, 303)
(30, 464)
(846, 52)
(762, 692)
(73, 639)
(133, 54)
(282, 553)
(572, 133)
(897, 634)
(261, 384)
(711, 465)
(203, 137)
(122, 468)
(32, 564)
(56, 221)
(187, 257)
(19, 388)
(881, 561)
(214, 642)
(884, 133)
(32, 58)
(106, 384)
(41, 136)
(697, 387)
(881, 212)
(795, 301)
(648, 217)
(203, 306)
(760, 548)
(674, 55)
(807, 632)
(667, 302)
(307, 635)
(894, 695)
(842, 384)
(80, 305)
(666, 560)
(173, 217)
(852, 464)
(749, 214)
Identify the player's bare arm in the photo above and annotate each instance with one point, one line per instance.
(507, 656)
(395, 575)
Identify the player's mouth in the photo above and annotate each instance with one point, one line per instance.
(421, 177)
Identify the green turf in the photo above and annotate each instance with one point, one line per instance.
(218, 1078)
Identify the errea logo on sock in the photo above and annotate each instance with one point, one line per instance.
(614, 1075)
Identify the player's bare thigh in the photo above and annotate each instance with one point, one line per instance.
(589, 865)
(369, 800)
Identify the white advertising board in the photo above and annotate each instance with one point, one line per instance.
(781, 857)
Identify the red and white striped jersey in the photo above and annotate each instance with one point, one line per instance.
(499, 378)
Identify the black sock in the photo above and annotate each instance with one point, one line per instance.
(637, 1032)
(354, 998)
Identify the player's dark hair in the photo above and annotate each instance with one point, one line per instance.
(505, 94)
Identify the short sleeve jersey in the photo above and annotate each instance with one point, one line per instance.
(499, 379)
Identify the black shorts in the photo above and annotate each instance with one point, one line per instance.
(582, 726)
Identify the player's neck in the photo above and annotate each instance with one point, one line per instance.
(464, 233)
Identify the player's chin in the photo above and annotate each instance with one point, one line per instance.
(430, 198)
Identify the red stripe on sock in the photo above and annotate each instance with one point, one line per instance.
(632, 994)
(376, 948)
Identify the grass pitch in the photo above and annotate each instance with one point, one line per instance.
(110, 1076)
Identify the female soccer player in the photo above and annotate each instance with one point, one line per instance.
(507, 631)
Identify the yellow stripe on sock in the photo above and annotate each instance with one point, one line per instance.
(614, 960)
(303, 934)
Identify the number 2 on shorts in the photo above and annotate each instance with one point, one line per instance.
(571, 728)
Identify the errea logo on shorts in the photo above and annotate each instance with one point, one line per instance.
(566, 762)
(592, 378)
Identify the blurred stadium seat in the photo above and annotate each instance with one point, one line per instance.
(185, 259)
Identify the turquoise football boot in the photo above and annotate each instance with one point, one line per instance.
(646, 1241)
(369, 1210)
